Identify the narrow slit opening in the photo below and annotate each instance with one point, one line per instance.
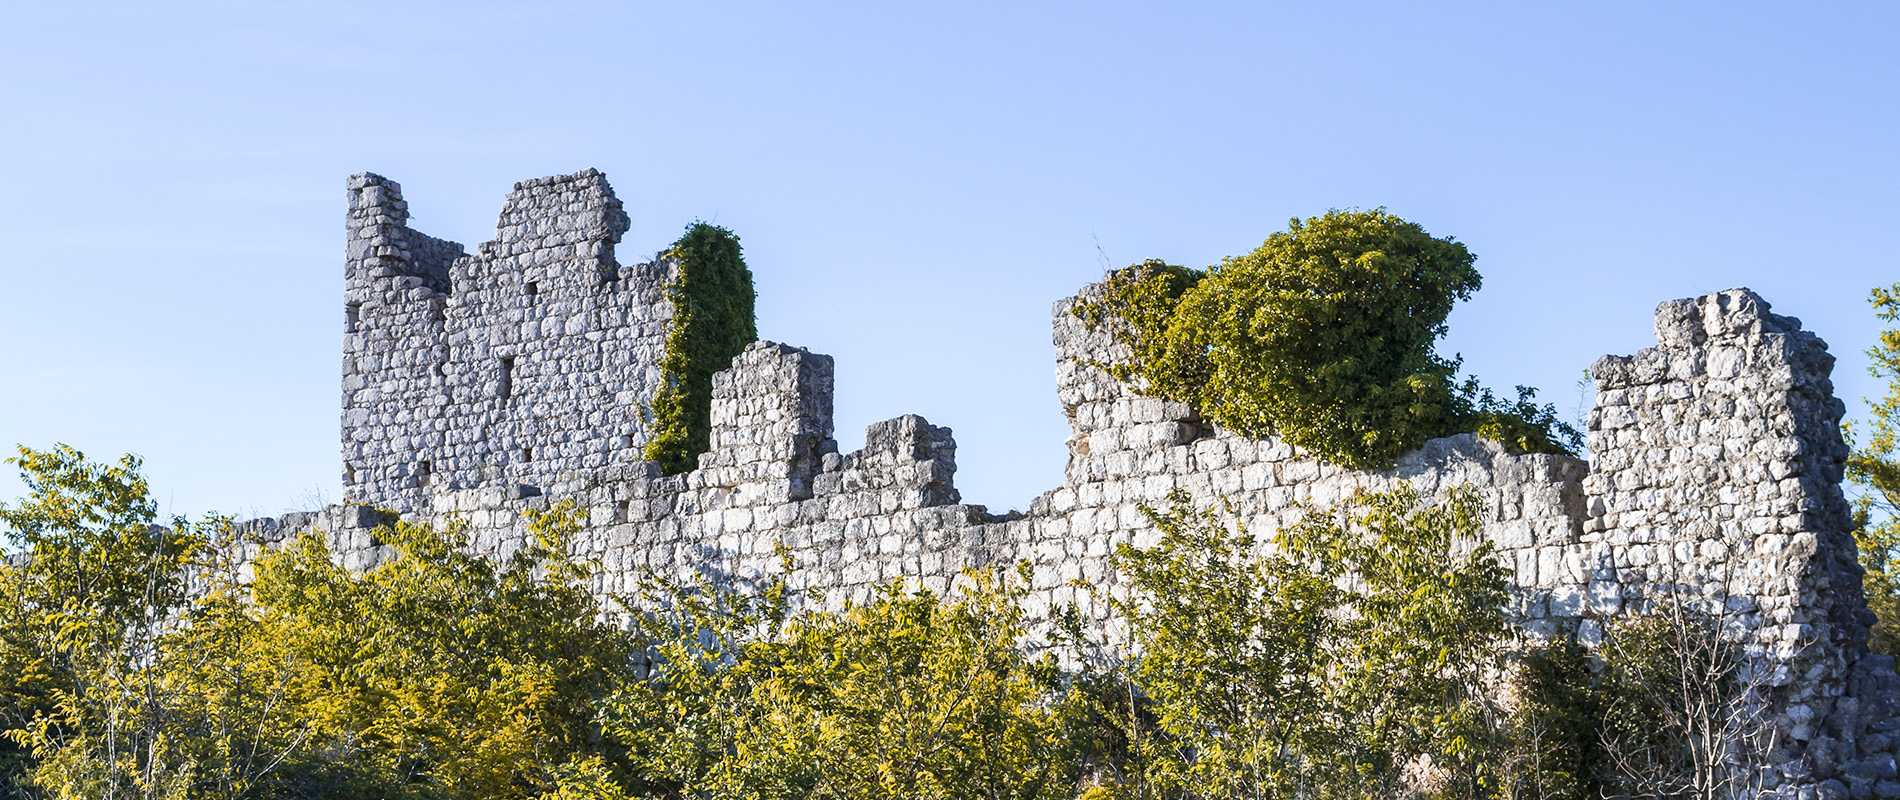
(506, 386)
(620, 511)
(352, 316)
(425, 474)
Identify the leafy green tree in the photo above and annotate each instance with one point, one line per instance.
(1876, 469)
(1352, 650)
(441, 673)
(909, 695)
(227, 675)
(141, 663)
(89, 606)
(134, 668)
(1324, 336)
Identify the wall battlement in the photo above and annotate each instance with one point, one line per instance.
(483, 386)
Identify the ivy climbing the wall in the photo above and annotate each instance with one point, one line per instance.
(712, 323)
(1323, 336)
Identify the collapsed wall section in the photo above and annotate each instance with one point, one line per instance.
(531, 360)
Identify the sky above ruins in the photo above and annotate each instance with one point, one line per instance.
(914, 186)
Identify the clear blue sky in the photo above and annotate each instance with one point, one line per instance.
(914, 187)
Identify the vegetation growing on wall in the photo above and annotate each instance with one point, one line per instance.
(712, 323)
(1323, 336)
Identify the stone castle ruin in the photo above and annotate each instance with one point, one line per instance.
(482, 385)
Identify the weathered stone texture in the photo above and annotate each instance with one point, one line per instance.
(1715, 479)
(1718, 464)
(528, 361)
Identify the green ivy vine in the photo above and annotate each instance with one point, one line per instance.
(712, 323)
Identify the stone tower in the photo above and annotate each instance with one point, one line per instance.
(532, 359)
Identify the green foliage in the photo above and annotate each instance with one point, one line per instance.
(909, 695)
(1169, 354)
(1876, 469)
(1557, 725)
(436, 674)
(93, 544)
(586, 778)
(440, 673)
(1521, 425)
(1664, 713)
(1677, 715)
(712, 323)
(1324, 336)
(30, 674)
(83, 612)
(129, 685)
(1879, 545)
(1275, 675)
(1348, 659)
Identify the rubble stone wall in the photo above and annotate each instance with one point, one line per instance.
(531, 359)
(1714, 479)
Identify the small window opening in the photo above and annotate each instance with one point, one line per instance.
(352, 314)
(527, 454)
(506, 387)
(534, 288)
(349, 475)
(620, 511)
(425, 474)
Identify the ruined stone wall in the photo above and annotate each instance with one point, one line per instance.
(529, 360)
(1715, 472)
(1716, 480)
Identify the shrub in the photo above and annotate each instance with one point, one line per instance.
(1557, 725)
(440, 672)
(909, 695)
(141, 661)
(1323, 336)
(1668, 709)
(1274, 674)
